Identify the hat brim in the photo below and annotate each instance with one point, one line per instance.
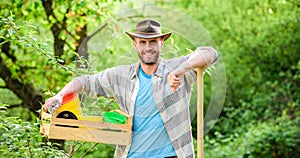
(134, 35)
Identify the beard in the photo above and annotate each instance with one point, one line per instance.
(149, 58)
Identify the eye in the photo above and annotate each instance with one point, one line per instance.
(142, 42)
(153, 42)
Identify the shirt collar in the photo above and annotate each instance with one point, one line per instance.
(160, 69)
(135, 70)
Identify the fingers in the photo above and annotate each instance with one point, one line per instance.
(55, 102)
(174, 81)
(47, 104)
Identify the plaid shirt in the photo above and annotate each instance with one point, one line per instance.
(122, 84)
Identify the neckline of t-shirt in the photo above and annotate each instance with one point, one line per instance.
(144, 74)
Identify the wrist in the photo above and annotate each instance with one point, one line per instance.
(60, 94)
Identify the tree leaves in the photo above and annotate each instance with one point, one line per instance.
(22, 139)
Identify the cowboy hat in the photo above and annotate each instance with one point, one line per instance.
(148, 29)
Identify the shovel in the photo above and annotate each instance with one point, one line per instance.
(200, 114)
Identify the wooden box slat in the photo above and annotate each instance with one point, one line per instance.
(86, 130)
(89, 124)
(82, 134)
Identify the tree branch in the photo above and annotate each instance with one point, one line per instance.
(89, 150)
(55, 28)
(64, 23)
(105, 25)
(5, 45)
(14, 105)
(93, 34)
(61, 25)
(69, 45)
(26, 92)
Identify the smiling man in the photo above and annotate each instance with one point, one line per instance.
(155, 91)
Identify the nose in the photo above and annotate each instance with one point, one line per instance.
(148, 46)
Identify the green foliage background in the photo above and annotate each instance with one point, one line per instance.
(258, 41)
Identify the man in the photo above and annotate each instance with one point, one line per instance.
(155, 91)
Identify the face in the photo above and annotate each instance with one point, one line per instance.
(148, 50)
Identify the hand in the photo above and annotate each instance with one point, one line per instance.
(55, 101)
(174, 81)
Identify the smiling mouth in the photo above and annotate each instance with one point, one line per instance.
(149, 57)
(149, 53)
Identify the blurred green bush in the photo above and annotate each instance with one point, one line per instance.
(270, 139)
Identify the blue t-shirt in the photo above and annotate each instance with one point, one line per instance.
(149, 136)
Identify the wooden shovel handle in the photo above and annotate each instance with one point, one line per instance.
(200, 114)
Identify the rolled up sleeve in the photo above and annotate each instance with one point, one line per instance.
(95, 85)
(213, 52)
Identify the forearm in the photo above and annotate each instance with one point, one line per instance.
(202, 57)
(74, 86)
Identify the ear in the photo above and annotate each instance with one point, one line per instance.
(134, 43)
(162, 42)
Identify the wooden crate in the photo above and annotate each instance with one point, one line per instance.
(87, 128)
